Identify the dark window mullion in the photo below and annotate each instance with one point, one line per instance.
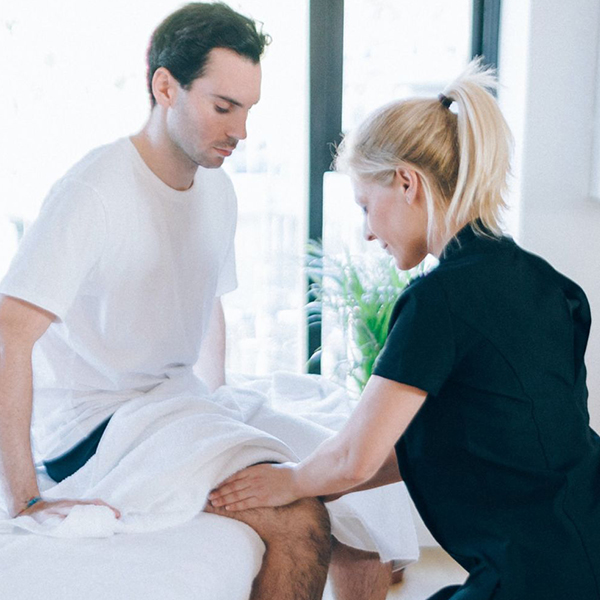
(326, 51)
(486, 30)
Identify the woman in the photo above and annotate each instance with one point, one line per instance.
(479, 392)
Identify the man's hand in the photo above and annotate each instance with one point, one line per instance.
(44, 509)
(257, 486)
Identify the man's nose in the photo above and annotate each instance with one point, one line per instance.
(237, 128)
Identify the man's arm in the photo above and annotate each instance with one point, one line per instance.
(211, 362)
(21, 326)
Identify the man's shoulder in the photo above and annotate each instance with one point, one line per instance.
(100, 167)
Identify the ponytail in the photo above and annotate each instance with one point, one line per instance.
(484, 145)
(462, 158)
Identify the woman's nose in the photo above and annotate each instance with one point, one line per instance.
(367, 233)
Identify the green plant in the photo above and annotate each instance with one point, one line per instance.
(360, 293)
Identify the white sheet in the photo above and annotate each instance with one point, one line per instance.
(208, 558)
(158, 459)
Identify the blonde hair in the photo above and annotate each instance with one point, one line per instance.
(462, 159)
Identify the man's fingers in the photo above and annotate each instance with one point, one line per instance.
(94, 502)
(99, 502)
(63, 507)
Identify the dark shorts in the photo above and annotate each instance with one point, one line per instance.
(66, 464)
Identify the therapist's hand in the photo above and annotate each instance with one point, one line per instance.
(45, 509)
(260, 485)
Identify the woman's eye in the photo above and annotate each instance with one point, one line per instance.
(221, 110)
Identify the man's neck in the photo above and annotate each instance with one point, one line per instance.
(162, 158)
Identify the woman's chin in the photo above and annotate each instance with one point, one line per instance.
(403, 264)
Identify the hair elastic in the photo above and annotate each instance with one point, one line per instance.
(445, 100)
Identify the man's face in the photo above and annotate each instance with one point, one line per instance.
(206, 122)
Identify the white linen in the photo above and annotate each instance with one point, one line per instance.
(157, 461)
(208, 558)
(159, 458)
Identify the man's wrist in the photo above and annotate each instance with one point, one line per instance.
(28, 504)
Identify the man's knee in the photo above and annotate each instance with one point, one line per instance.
(310, 524)
(308, 514)
(305, 522)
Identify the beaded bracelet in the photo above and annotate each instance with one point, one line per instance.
(29, 504)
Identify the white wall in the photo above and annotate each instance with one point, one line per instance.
(549, 70)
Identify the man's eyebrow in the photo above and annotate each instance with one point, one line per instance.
(230, 100)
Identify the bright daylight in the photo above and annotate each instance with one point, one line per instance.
(298, 300)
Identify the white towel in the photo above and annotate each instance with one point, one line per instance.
(161, 455)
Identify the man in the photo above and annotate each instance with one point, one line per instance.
(118, 285)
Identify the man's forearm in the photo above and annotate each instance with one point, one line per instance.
(16, 460)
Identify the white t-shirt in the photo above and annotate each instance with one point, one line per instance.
(131, 268)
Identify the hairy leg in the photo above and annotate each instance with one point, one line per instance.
(298, 549)
(358, 575)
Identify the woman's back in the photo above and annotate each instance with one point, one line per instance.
(500, 460)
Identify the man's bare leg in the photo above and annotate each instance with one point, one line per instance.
(298, 549)
(358, 575)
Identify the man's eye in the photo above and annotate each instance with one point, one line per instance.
(221, 110)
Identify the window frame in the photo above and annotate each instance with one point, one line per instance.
(326, 66)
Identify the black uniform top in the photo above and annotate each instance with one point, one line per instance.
(500, 460)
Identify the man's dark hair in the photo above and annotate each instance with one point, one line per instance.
(183, 41)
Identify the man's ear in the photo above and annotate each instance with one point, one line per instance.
(408, 180)
(164, 87)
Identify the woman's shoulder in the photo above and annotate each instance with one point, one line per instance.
(497, 276)
(425, 293)
(488, 272)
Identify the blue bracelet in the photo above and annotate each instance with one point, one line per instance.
(31, 502)
(28, 504)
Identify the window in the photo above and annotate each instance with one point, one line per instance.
(77, 73)
(409, 49)
(266, 328)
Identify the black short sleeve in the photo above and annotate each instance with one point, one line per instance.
(420, 347)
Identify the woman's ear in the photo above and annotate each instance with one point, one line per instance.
(408, 180)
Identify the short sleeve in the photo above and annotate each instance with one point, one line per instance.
(59, 250)
(420, 347)
(227, 281)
